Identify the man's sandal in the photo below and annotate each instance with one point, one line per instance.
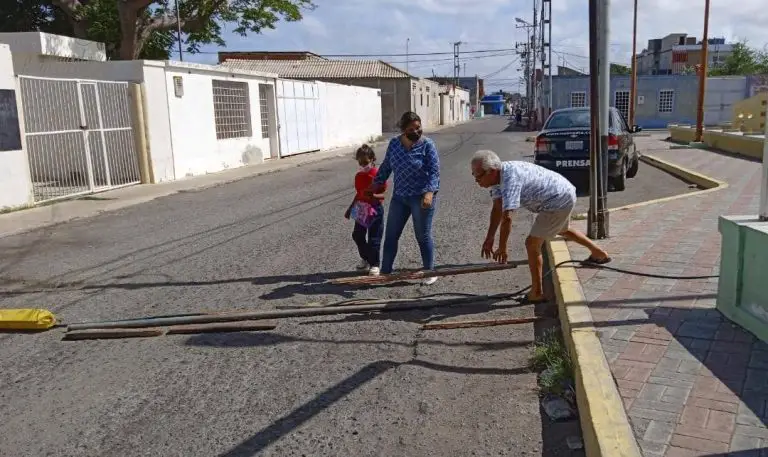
(595, 261)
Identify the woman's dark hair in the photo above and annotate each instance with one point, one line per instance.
(366, 151)
(406, 119)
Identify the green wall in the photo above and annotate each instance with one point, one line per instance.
(742, 293)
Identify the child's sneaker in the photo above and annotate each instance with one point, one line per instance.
(374, 271)
(363, 265)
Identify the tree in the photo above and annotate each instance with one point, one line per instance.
(134, 29)
(618, 69)
(743, 60)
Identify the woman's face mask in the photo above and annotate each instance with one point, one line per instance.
(413, 135)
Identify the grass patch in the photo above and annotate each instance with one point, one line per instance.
(551, 359)
(578, 217)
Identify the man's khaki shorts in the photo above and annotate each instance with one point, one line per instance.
(549, 224)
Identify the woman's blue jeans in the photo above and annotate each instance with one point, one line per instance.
(400, 209)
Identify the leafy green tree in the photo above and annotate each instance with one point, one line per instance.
(617, 69)
(743, 60)
(134, 29)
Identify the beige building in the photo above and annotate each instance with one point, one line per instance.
(400, 92)
(678, 53)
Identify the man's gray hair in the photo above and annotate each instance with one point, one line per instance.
(489, 160)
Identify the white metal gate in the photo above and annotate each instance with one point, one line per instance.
(621, 103)
(79, 136)
(722, 93)
(298, 107)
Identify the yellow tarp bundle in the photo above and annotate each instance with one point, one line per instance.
(26, 319)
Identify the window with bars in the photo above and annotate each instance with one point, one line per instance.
(578, 99)
(621, 102)
(666, 100)
(264, 109)
(231, 109)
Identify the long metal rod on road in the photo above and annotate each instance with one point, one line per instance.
(379, 306)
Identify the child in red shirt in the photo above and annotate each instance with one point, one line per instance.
(368, 238)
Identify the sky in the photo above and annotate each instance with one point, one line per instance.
(385, 26)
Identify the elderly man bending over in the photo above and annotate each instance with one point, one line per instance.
(517, 184)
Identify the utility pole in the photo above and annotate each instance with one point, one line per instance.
(633, 81)
(456, 63)
(703, 75)
(764, 187)
(524, 54)
(604, 72)
(543, 103)
(178, 29)
(548, 45)
(533, 119)
(594, 117)
(407, 54)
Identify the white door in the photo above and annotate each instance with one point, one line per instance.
(721, 94)
(298, 105)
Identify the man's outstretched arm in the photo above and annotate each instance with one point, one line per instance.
(495, 219)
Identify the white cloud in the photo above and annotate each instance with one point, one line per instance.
(382, 26)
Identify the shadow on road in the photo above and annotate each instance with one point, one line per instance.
(265, 339)
(324, 400)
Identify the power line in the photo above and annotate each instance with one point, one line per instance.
(477, 51)
(500, 70)
(451, 59)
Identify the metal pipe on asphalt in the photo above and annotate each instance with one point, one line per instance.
(387, 306)
(604, 72)
(703, 76)
(633, 81)
(594, 118)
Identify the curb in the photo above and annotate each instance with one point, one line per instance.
(604, 422)
(708, 184)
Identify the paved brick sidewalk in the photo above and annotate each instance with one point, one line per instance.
(693, 383)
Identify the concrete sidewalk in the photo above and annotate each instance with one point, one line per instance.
(692, 383)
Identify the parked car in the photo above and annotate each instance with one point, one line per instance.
(563, 145)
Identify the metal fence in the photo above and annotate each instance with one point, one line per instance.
(79, 136)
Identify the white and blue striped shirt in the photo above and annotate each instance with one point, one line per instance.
(532, 187)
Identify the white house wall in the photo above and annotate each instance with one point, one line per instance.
(158, 123)
(196, 150)
(15, 182)
(351, 114)
(425, 101)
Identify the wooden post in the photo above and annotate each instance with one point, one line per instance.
(140, 131)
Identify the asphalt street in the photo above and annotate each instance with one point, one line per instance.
(332, 386)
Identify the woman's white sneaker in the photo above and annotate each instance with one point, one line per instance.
(374, 271)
